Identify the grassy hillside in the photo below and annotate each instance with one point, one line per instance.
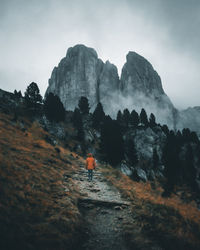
(171, 222)
(36, 209)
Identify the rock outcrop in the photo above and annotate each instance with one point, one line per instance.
(138, 75)
(145, 140)
(109, 87)
(82, 73)
(189, 118)
(141, 86)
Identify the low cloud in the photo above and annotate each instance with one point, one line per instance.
(35, 35)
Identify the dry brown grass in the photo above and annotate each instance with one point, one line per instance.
(37, 213)
(170, 220)
(35, 209)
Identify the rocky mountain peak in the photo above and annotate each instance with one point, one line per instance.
(82, 73)
(139, 75)
(81, 50)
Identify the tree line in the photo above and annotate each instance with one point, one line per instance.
(180, 152)
(179, 155)
(34, 103)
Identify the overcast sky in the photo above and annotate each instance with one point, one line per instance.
(35, 35)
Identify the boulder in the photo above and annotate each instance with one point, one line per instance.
(139, 174)
(125, 169)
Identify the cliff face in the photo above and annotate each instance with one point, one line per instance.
(189, 118)
(109, 87)
(138, 75)
(76, 76)
(82, 73)
(141, 86)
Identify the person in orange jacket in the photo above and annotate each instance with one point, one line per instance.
(90, 166)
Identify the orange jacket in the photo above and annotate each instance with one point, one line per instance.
(90, 163)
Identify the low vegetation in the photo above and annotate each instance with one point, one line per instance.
(39, 200)
(37, 211)
(170, 222)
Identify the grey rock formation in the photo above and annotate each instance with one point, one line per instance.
(138, 75)
(81, 73)
(189, 118)
(9, 101)
(141, 87)
(145, 141)
(54, 128)
(109, 87)
(126, 169)
(141, 174)
(76, 76)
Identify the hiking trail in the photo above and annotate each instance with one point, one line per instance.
(104, 212)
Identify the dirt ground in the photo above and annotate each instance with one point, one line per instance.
(104, 212)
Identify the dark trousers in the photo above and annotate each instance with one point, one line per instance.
(90, 174)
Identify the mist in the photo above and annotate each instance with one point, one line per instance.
(35, 35)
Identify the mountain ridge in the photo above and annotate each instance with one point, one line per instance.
(82, 73)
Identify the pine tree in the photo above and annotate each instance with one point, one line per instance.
(84, 105)
(178, 134)
(131, 152)
(78, 124)
(120, 121)
(119, 117)
(80, 131)
(179, 138)
(155, 158)
(171, 162)
(134, 119)
(190, 171)
(53, 108)
(152, 120)
(143, 118)
(186, 135)
(32, 96)
(168, 163)
(98, 116)
(18, 94)
(105, 129)
(165, 129)
(76, 117)
(126, 117)
(194, 138)
(111, 141)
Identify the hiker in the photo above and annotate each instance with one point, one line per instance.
(90, 166)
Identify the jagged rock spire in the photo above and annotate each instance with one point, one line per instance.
(82, 73)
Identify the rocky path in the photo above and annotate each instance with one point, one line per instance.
(104, 212)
